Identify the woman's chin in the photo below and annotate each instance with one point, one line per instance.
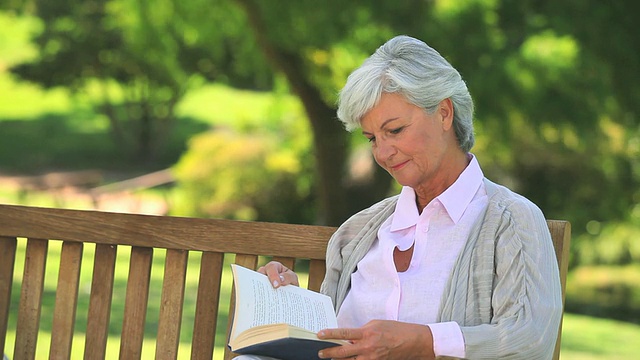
(404, 182)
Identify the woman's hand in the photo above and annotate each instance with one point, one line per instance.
(278, 274)
(381, 339)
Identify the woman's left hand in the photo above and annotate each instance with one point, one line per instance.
(279, 275)
(381, 339)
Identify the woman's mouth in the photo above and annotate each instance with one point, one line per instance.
(399, 166)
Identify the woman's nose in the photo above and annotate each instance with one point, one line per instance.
(384, 149)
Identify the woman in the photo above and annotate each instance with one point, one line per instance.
(453, 266)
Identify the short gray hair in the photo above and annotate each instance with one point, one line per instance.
(413, 69)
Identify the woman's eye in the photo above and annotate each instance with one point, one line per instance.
(397, 131)
(371, 139)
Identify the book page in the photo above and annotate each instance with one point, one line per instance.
(258, 303)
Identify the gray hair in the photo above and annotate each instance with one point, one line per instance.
(413, 69)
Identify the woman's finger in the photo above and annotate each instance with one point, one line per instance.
(279, 274)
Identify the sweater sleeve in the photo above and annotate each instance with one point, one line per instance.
(526, 302)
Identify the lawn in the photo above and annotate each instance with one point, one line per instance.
(590, 338)
(583, 337)
(117, 310)
(40, 130)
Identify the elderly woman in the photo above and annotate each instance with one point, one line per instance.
(455, 265)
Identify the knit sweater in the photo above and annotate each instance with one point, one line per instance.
(504, 291)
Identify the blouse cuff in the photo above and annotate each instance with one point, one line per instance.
(447, 339)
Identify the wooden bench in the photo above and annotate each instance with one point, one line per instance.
(177, 240)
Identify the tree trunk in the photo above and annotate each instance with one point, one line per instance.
(330, 138)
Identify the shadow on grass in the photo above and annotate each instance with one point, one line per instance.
(80, 141)
(605, 291)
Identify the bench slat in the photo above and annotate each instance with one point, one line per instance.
(64, 315)
(171, 303)
(169, 232)
(561, 237)
(316, 274)
(31, 299)
(248, 261)
(7, 260)
(100, 301)
(286, 261)
(207, 303)
(135, 307)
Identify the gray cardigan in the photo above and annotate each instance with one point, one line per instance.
(504, 291)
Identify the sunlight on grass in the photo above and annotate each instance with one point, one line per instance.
(583, 337)
(117, 309)
(28, 101)
(218, 104)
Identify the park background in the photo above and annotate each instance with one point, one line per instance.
(226, 109)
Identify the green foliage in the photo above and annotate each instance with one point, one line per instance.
(564, 175)
(244, 110)
(255, 164)
(52, 130)
(609, 243)
(140, 57)
(557, 111)
(16, 33)
(29, 101)
(243, 176)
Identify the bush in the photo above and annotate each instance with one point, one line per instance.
(613, 243)
(255, 176)
(605, 291)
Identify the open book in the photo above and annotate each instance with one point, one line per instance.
(281, 323)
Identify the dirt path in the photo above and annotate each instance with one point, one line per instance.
(80, 190)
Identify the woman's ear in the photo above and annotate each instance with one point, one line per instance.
(445, 110)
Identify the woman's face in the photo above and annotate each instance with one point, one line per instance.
(412, 145)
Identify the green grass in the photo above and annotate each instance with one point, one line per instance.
(586, 338)
(22, 100)
(583, 337)
(117, 310)
(43, 130)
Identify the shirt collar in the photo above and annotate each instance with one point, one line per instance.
(458, 196)
(406, 214)
(454, 199)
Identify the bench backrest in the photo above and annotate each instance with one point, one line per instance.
(178, 239)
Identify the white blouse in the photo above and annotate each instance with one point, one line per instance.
(438, 234)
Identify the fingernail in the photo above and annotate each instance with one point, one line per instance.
(275, 283)
(281, 278)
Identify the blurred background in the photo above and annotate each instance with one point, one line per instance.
(226, 109)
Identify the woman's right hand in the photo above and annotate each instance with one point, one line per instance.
(279, 275)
